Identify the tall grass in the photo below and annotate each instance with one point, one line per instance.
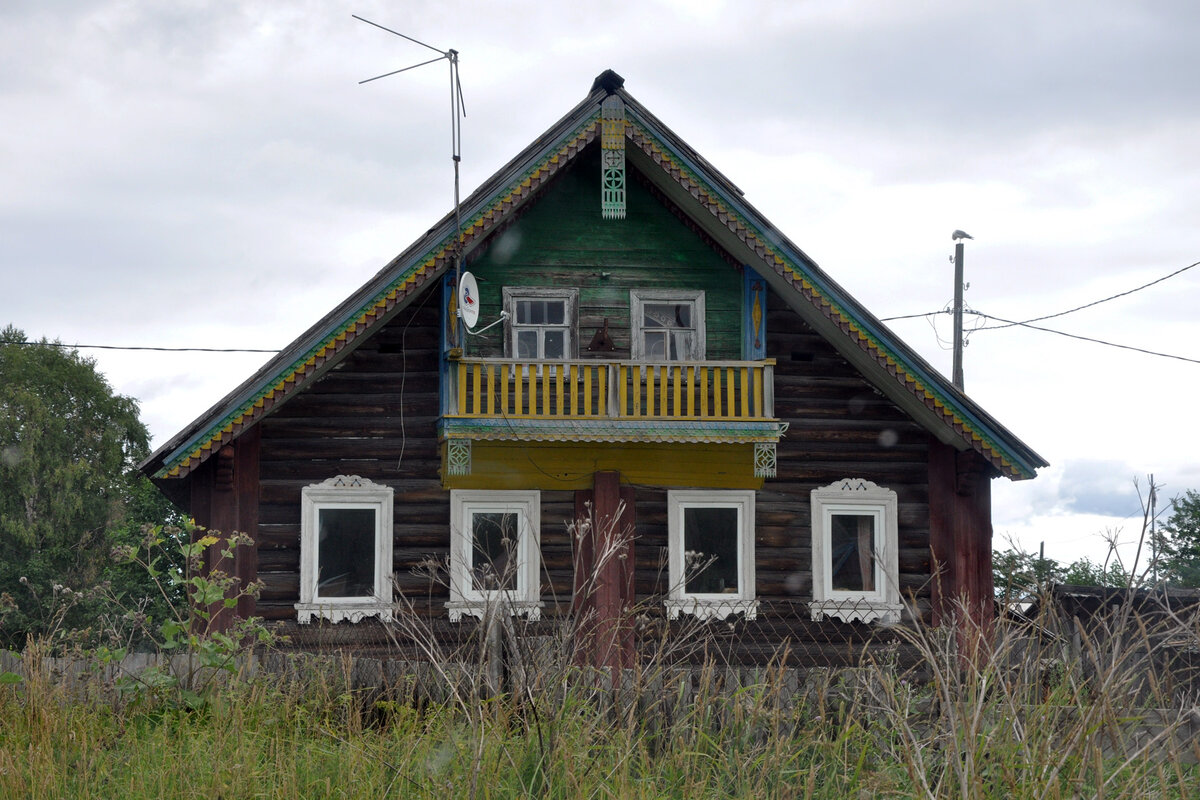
(1049, 711)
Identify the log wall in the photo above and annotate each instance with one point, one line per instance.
(375, 414)
(351, 422)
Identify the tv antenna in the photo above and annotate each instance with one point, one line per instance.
(458, 110)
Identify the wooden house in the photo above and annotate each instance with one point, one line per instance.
(749, 444)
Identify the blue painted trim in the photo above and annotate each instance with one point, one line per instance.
(754, 341)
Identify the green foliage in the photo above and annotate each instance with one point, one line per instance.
(1175, 560)
(1179, 542)
(1018, 574)
(1086, 572)
(197, 620)
(69, 490)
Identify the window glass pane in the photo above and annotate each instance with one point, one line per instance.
(656, 345)
(527, 344)
(683, 315)
(555, 312)
(523, 312)
(494, 549)
(554, 341)
(852, 542)
(667, 315)
(346, 554)
(710, 535)
(656, 315)
(681, 345)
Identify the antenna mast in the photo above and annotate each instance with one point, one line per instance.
(458, 110)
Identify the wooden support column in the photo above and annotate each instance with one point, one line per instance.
(604, 572)
(960, 538)
(224, 500)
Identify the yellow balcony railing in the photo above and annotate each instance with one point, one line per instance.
(595, 389)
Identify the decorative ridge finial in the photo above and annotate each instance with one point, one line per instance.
(609, 81)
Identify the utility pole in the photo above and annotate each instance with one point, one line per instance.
(957, 375)
(1153, 532)
(1041, 565)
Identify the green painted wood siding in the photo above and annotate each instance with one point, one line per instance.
(562, 241)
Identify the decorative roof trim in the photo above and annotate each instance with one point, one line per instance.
(195, 451)
(494, 202)
(783, 263)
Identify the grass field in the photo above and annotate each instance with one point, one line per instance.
(1009, 726)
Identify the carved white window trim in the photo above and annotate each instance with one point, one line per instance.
(700, 604)
(639, 298)
(856, 496)
(465, 599)
(353, 492)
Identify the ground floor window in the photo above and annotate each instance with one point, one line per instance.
(855, 558)
(711, 553)
(495, 553)
(345, 550)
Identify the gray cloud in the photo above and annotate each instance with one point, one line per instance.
(1099, 487)
(211, 174)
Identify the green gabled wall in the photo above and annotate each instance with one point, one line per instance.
(562, 241)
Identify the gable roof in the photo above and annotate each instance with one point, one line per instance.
(695, 187)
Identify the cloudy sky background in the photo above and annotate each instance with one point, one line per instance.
(209, 174)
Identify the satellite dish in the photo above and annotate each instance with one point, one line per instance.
(468, 300)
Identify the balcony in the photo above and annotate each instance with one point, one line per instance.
(614, 391)
(631, 414)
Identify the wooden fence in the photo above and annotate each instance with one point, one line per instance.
(666, 692)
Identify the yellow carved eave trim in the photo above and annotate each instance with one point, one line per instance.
(365, 317)
(792, 271)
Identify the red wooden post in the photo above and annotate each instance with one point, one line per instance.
(583, 548)
(960, 538)
(604, 574)
(224, 500)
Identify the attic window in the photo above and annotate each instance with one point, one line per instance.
(542, 323)
(667, 325)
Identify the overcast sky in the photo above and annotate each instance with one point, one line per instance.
(209, 174)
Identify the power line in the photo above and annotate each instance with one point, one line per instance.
(1096, 302)
(1056, 314)
(916, 316)
(132, 347)
(1006, 324)
(1010, 323)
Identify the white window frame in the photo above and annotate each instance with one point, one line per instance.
(708, 605)
(639, 298)
(860, 497)
(344, 491)
(514, 294)
(465, 600)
